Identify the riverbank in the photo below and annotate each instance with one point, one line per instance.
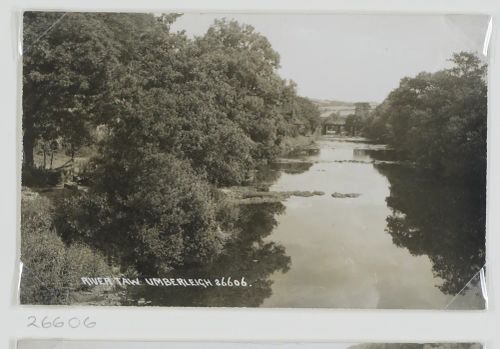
(257, 192)
(293, 145)
(251, 195)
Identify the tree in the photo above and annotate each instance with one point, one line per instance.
(51, 269)
(65, 69)
(181, 117)
(438, 120)
(241, 67)
(153, 214)
(353, 124)
(308, 112)
(246, 252)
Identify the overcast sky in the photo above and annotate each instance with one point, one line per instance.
(356, 57)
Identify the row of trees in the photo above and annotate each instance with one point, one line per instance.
(438, 120)
(178, 117)
(216, 101)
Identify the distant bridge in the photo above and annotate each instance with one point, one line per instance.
(334, 118)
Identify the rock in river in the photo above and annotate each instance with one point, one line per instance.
(242, 195)
(346, 195)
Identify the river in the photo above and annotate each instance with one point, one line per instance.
(405, 242)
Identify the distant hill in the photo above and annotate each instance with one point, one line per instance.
(342, 108)
(331, 103)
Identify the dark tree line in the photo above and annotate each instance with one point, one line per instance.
(438, 120)
(216, 100)
(168, 119)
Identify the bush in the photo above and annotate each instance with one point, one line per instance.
(52, 270)
(39, 177)
(153, 214)
(439, 120)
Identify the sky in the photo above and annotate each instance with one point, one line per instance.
(356, 57)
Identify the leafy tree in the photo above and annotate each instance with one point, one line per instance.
(65, 66)
(241, 67)
(308, 112)
(51, 269)
(179, 115)
(353, 124)
(246, 254)
(216, 101)
(168, 106)
(153, 214)
(439, 120)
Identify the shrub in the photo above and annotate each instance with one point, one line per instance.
(52, 270)
(439, 120)
(39, 177)
(154, 214)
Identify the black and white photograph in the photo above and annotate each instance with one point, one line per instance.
(68, 344)
(254, 160)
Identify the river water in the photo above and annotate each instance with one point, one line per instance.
(405, 242)
(341, 252)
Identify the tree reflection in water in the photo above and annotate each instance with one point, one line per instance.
(445, 221)
(246, 255)
(292, 167)
(268, 174)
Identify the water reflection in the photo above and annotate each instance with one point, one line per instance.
(407, 241)
(376, 154)
(445, 221)
(360, 154)
(347, 253)
(292, 167)
(247, 255)
(266, 175)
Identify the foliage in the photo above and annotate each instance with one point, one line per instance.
(241, 67)
(39, 177)
(51, 269)
(216, 101)
(306, 111)
(176, 118)
(154, 214)
(64, 74)
(353, 124)
(438, 120)
(247, 253)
